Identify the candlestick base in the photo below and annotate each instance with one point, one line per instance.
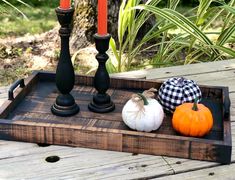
(101, 103)
(65, 106)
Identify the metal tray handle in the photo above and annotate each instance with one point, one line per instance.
(17, 83)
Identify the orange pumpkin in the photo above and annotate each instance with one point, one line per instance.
(192, 119)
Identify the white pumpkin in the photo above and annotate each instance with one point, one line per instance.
(147, 116)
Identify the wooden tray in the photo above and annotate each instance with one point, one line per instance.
(27, 117)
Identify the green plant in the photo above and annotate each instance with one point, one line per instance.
(129, 24)
(41, 19)
(180, 37)
(194, 32)
(7, 2)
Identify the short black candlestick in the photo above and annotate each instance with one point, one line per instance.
(101, 102)
(65, 104)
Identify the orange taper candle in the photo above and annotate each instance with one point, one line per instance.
(102, 17)
(65, 4)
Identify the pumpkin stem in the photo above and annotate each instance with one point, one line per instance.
(144, 98)
(195, 108)
(181, 81)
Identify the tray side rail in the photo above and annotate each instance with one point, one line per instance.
(116, 140)
(17, 94)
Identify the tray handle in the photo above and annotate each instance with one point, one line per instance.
(227, 104)
(17, 83)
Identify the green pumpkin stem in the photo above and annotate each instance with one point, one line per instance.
(144, 98)
(195, 108)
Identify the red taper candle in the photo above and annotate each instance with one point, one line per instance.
(65, 4)
(102, 17)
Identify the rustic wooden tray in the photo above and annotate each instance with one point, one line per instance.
(27, 117)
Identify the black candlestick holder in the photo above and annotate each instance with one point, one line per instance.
(101, 102)
(65, 104)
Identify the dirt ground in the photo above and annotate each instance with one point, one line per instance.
(20, 56)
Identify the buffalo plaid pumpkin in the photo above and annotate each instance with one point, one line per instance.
(176, 91)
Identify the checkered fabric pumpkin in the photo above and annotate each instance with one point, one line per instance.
(176, 91)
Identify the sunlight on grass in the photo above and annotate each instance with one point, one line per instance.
(40, 19)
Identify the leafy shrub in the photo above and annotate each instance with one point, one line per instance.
(34, 3)
(15, 19)
(13, 6)
(180, 38)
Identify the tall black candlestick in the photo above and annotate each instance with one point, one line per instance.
(101, 102)
(65, 104)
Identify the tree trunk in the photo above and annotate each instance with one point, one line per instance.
(85, 21)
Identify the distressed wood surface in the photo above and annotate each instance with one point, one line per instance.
(32, 121)
(223, 172)
(191, 69)
(27, 160)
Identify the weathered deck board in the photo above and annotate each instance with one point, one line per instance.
(223, 172)
(75, 163)
(223, 78)
(191, 69)
(73, 160)
(3, 94)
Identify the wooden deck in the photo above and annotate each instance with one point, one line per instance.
(27, 161)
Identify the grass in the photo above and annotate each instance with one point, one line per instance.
(13, 63)
(40, 19)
